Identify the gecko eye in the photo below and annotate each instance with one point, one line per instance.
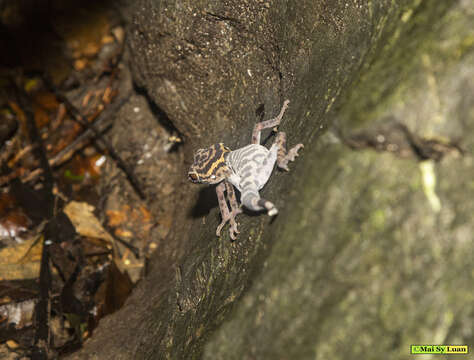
(193, 177)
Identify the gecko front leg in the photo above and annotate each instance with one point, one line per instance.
(268, 124)
(225, 213)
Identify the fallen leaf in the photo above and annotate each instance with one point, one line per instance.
(21, 261)
(85, 222)
(12, 344)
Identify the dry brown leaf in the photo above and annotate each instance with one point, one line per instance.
(21, 261)
(20, 115)
(80, 64)
(46, 100)
(41, 117)
(145, 214)
(12, 344)
(82, 217)
(86, 224)
(116, 217)
(119, 33)
(107, 39)
(123, 233)
(114, 291)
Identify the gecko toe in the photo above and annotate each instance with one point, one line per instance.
(221, 225)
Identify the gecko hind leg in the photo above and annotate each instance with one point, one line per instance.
(268, 124)
(227, 216)
(283, 157)
(235, 209)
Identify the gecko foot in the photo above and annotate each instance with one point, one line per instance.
(290, 156)
(233, 224)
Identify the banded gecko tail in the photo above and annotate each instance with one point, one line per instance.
(252, 200)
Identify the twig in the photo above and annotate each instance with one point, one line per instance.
(133, 249)
(38, 148)
(60, 158)
(112, 109)
(43, 307)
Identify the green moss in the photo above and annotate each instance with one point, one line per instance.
(396, 59)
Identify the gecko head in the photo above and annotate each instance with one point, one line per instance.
(209, 166)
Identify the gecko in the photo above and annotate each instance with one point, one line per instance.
(247, 169)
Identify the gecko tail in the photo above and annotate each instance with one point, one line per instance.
(269, 206)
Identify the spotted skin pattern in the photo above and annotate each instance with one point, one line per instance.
(247, 168)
